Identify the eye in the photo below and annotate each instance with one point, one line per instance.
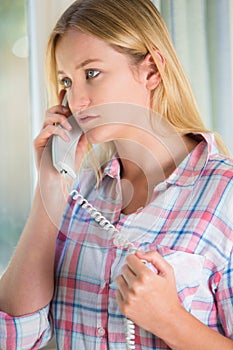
(92, 73)
(65, 82)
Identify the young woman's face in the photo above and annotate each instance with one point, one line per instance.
(98, 80)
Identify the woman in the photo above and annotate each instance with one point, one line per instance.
(149, 165)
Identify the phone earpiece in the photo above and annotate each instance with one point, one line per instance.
(63, 153)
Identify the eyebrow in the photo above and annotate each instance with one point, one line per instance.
(84, 64)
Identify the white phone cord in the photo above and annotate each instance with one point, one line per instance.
(120, 241)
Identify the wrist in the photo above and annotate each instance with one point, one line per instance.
(173, 328)
(187, 332)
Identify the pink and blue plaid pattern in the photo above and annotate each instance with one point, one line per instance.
(189, 221)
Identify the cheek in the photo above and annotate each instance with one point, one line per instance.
(121, 88)
(131, 91)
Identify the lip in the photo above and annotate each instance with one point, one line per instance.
(86, 118)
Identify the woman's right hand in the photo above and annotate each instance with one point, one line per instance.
(56, 115)
(53, 186)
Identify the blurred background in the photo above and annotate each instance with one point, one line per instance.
(24, 28)
(202, 31)
(15, 131)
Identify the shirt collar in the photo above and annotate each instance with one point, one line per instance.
(113, 168)
(191, 168)
(187, 172)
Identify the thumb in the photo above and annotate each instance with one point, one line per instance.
(156, 260)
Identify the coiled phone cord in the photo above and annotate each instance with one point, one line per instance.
(120, 241)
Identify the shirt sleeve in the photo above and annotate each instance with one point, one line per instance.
(28, 332)
(225, 298)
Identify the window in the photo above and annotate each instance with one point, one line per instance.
(15, 142)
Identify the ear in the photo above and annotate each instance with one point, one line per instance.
(150, 71)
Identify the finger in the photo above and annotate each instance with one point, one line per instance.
(118, 296)
(128, 275)
(47, 132)
(57, 130)
(64, 111)
(120, 301)
(136, 264)
(122, 285)
(58, 109)
(153, 257)
(53, 119)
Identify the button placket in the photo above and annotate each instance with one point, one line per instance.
(100, 332)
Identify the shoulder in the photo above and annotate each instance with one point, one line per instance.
(215, 165)
(219, 166)
(216, 178)
(216, 186)
(214, 182)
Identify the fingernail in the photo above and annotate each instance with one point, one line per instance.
(66, 125)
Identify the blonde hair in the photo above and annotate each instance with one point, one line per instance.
(135, 28)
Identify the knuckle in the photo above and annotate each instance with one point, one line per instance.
(50, 128)
(144, 278)
(135, 289)
(123, 269)
(170, 270)
(118, 279)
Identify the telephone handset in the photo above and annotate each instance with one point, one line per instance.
(63, 153)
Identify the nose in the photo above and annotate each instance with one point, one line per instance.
(78, 100)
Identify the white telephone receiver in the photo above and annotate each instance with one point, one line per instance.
(63, 153)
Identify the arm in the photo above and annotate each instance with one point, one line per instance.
(169, 320)
(27, 285)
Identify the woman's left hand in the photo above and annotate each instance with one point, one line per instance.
(148, 298)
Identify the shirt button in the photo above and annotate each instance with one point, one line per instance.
(100, 331)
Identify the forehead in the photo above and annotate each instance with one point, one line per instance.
(81, 39)
(78, 46)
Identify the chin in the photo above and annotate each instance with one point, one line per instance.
(101, 134)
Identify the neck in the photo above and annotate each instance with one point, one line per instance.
(148, 156)
(147, 160)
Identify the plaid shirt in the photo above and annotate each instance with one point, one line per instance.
(189, 222)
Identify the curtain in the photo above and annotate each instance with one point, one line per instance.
(202, 32)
